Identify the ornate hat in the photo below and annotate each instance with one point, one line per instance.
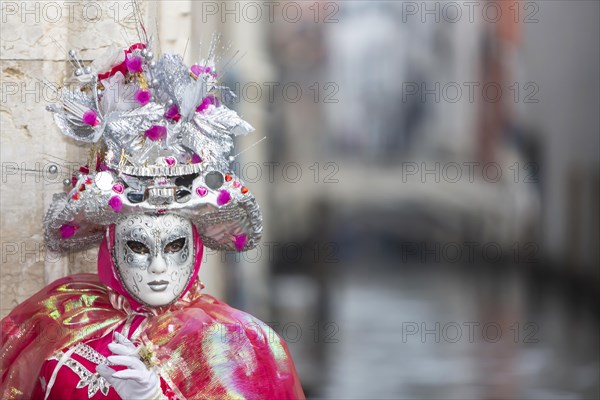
(160, 140)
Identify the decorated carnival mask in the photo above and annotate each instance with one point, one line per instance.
(154, 257)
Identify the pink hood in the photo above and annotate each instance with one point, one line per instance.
(107, 270)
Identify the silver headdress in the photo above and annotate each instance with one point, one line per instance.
(161, 140)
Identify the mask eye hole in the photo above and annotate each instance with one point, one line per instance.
(175, 246)
(137, 247)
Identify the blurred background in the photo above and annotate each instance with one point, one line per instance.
(430, 182)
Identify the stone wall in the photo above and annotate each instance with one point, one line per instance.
(35, 37)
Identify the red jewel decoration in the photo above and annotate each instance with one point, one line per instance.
(76, 196)
(161, 211)
(244, 189)
(81, 187)
(84, 170)
(88, 181)
(171, 161)
(118, 188)
(228, 178)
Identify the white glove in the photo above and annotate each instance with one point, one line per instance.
(135, 383)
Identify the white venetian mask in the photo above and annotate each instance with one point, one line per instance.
(154, 257)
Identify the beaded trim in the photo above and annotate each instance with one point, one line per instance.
(93, 381)
(90, 354)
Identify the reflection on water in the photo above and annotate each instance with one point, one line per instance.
(477, 332)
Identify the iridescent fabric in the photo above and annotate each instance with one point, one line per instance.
(204, 348)
(66, 312)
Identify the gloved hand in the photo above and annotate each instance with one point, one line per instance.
(135, 383)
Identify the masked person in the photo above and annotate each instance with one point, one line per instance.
(156, 190)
